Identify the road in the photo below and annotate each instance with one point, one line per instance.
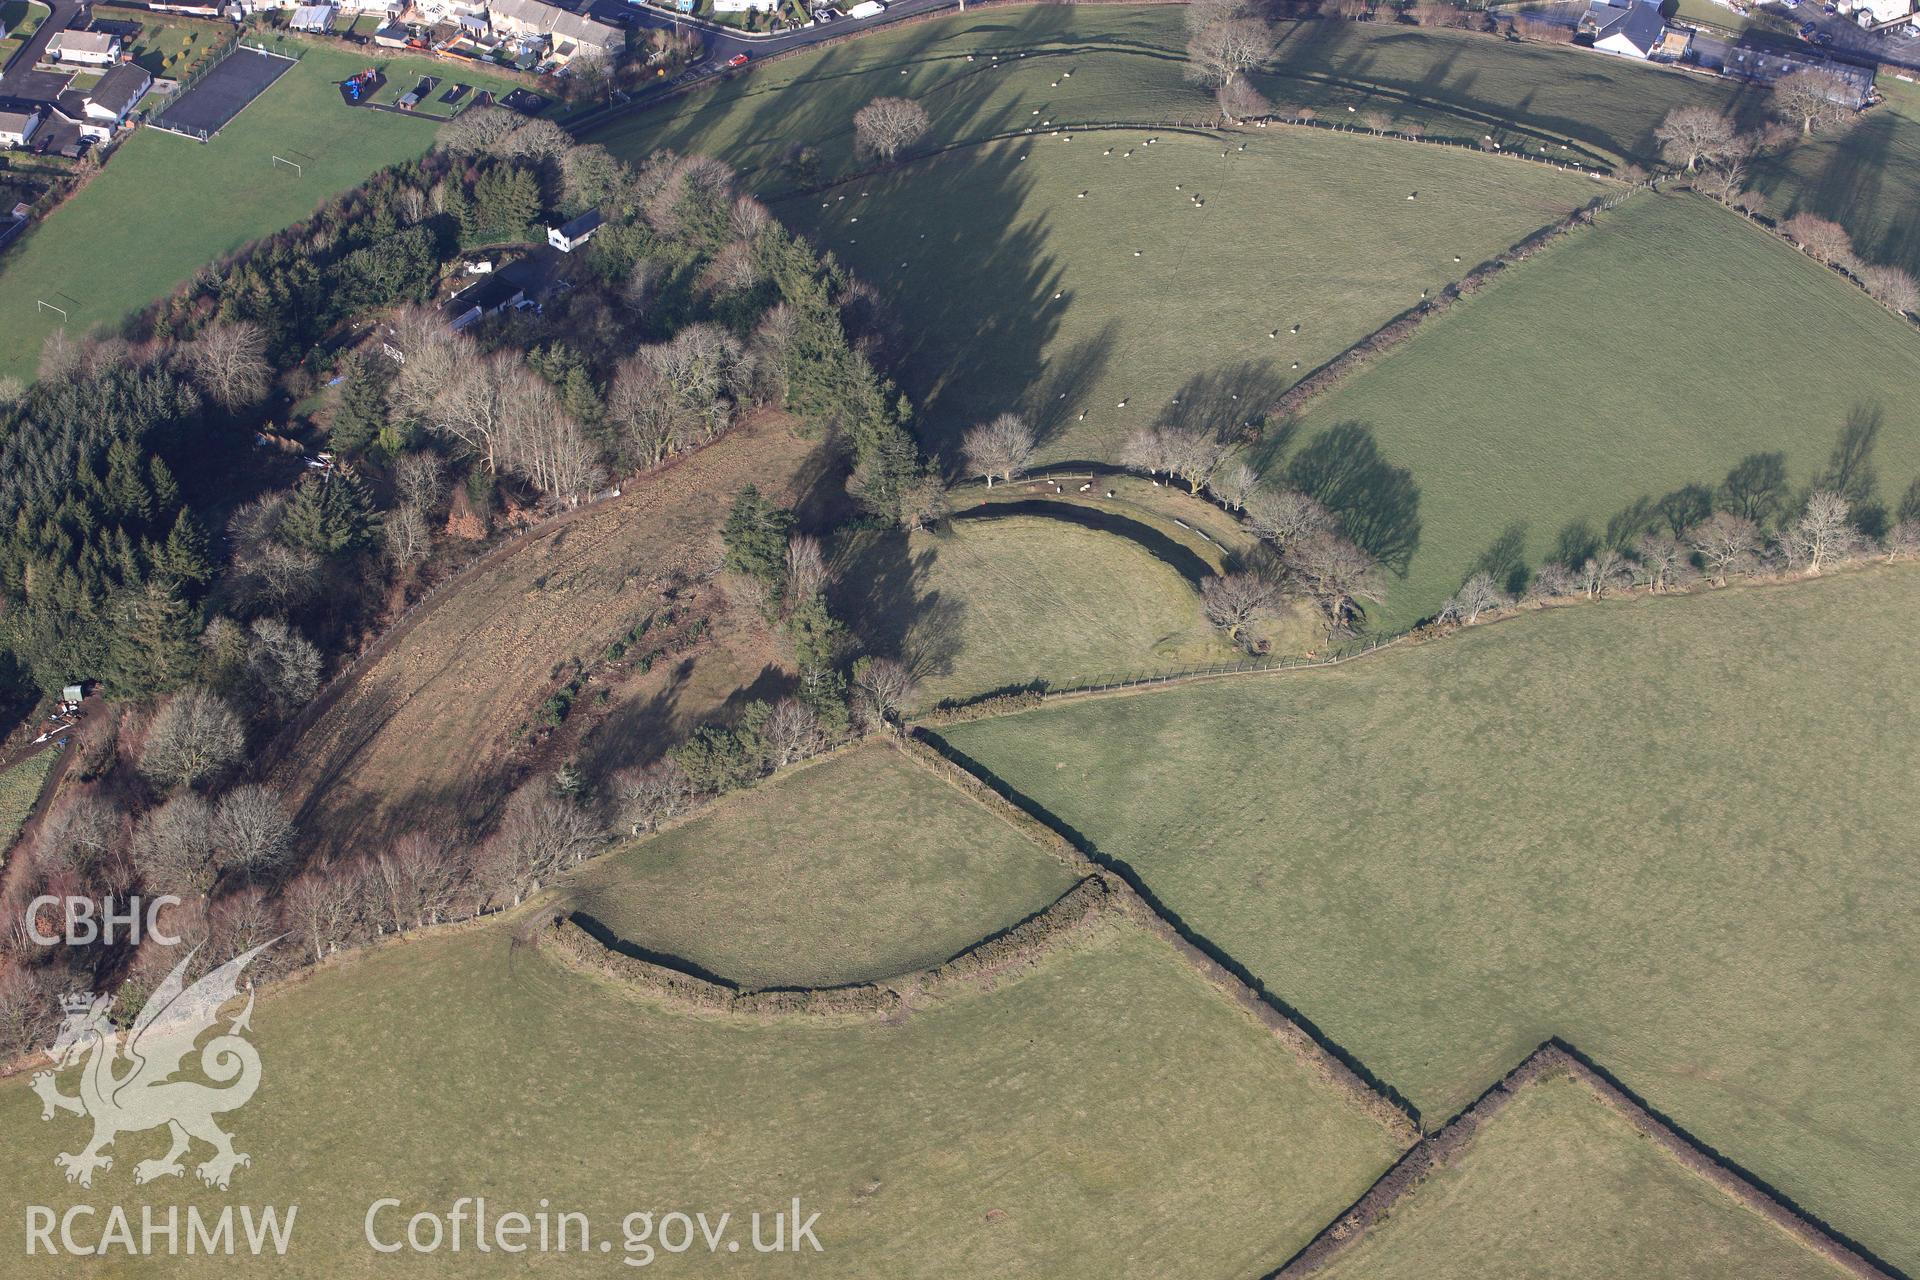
(724, 43)
(16, 78)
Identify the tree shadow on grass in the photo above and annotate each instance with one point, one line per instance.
(1378, 503)
(880, 588)
(1231, 402)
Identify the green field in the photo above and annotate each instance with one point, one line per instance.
(1659, 349)
(1122, 63)
(859, 868)
(19, 788)
(1674, 831)
(1559, 1184)
(1054, 313)
(1126, 63)
(1049, 1127)
(982, 604)
(197, 201)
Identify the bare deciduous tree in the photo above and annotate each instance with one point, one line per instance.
(645, 798)
(540, 835)
(251, 831)
(1340, 575)
(885, 690)
(1892, 288)
(416, 881)
(1238, 100)
(1238, 485)
(1663, 561)
(1726, 543)
(420, 479)
(1903, 541)
(792, 732)
(321, 908)
(806, 568)
(885, 126)
(1821, 238)
(1233, 600)
(1219, 53)
(194, 736)
(283, 665)
(1001, 448)
(229, 361)
(173, 846)
(404, 533)
(1477, 595)
(1822, 534)
(1280, 516)
(1812, 99)
(1690, 136)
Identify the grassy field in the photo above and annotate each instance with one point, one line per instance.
(197, 201)
(1659, 349)
(421, 735)
(969, 72)
(1674, 831)
(19, 788)
(1127, 63)
(859, 868)
(1069, 306)
(1559, 1184)
(1050, 1127)
(986, 603)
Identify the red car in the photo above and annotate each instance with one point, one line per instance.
(737, 60)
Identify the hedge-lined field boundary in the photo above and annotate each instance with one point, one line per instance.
(1555, 1060)
(1128, 897)
(1399, 330)
(582, 946)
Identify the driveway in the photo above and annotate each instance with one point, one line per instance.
(18, 78)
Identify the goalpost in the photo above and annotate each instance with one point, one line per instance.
(298, 172)
(48, 306)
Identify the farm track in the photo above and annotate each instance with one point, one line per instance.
(416, 736)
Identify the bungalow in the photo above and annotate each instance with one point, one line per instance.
(575, 233)
(17, 128)
(1629, 31)
(570, 33)
(101, 110)
(476, 302)
(90, 48)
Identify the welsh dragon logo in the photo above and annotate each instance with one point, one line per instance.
(128, 1086)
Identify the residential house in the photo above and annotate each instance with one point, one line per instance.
(1633, 30)
(88, 48)
(575, 233)
(570, 34)
(17, 128)
(100, 111)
